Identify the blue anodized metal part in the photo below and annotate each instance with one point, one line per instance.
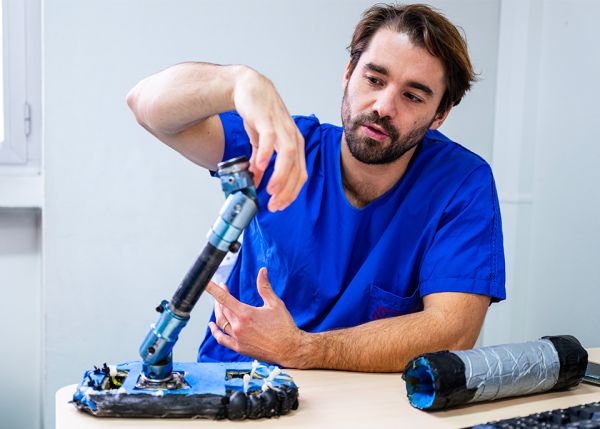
(235, 215)
(240, 207)
(237, 178)
(156, 349)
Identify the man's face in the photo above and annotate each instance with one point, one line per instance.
(391, 99)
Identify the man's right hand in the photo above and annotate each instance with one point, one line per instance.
(180, 106)
(270, 128)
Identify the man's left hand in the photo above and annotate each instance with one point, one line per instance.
(266, 333)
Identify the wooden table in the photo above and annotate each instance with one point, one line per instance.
(330, 399)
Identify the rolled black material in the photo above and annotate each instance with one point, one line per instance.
(451, 387)
(238, 406)
(195, 281)
(573, 360)
(441, 380)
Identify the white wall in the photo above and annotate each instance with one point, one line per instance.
(545, 159)
(20, 360)
(566, 178)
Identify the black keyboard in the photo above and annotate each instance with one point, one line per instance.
(578, 417)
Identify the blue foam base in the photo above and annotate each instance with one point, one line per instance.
(208, 386)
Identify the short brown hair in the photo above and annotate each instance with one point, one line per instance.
(425, 28)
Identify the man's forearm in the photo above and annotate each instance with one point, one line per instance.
(383, 345)
(180, 107)
(182, 95)
(450, 320)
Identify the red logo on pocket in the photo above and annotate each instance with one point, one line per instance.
(383, 312)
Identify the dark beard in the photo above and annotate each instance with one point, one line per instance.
(370, 151)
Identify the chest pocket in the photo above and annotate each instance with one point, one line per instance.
(383, 304)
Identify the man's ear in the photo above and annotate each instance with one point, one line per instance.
(439, 119)
(346, 77)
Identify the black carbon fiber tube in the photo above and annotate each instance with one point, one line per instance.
(195, 281)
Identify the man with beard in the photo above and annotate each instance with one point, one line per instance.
(382, 238)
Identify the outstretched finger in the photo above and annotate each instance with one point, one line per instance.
(253, 136)
(266, 146)
(296, 180)
(222, 296)
(283, 197)
(256, 172)
(286, 161)
(289, 192)
(220, 318)
(228, 314)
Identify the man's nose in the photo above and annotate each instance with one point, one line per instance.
(385, 104)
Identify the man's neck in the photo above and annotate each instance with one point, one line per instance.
(364, 183)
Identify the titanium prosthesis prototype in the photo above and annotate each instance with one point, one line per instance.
(157, 387)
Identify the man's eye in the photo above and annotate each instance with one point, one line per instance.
(373, 80)
(412, 97)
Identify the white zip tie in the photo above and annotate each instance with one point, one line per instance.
(255, 365)
(273, 374)
(246, 379)
(268, 385)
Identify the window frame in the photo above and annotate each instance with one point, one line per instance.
(21, 38)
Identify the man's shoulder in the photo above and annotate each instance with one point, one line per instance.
(452, 153)
(316, 132)
(306, 120)
(312, 121)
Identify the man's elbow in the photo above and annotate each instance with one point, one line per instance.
(132, 98)
(149, 110)
(459, 319)
(464, 342)
(464, 336)
(132, 102)
(137, 106)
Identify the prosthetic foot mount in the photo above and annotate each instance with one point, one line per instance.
(158, 387)
(235, 391)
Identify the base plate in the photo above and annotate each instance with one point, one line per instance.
(216, 391)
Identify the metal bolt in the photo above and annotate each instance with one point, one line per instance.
(234, 247)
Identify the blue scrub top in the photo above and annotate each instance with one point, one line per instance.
(437, 230)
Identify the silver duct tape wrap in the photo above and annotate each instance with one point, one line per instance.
(511, 369)
(435, 381)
